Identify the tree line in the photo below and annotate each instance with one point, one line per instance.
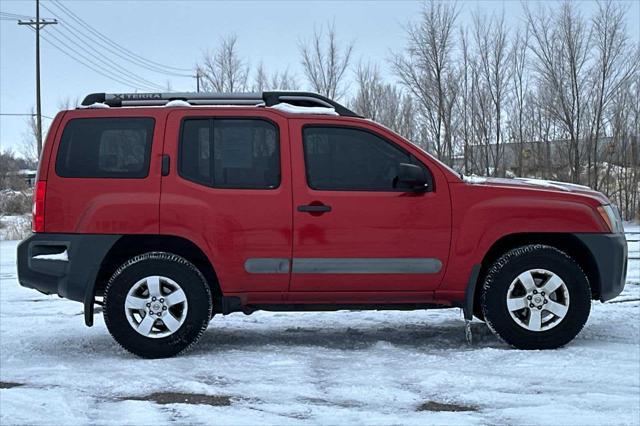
(555, 97)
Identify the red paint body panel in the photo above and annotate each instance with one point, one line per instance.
(483, 214)
(105, 206)
(456, 224)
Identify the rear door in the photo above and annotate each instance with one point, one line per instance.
(229, 191)
(353, 231)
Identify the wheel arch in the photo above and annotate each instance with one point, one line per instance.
(129, 246)
(565, 242)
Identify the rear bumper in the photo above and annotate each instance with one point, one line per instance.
(42, 265)
(610, 255)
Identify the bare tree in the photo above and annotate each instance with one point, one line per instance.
(10, 164)
(68, 103)
(464, 101)
(520, 85)
(561, 45)
(493, 68)
(324, 62)
(223, 70)
(383, 102)
(613, 67)
(260, 79)
(29, 146)
(426, 68)
(482, 122)
(284, 80)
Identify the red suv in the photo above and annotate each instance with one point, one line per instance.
(169, 208)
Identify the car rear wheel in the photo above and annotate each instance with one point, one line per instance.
(536, 297)
(157, 305)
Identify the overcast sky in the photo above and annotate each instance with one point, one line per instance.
(175, 33)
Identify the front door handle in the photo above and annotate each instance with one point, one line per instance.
(314, 208)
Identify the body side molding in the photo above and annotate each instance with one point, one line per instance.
(366, 266)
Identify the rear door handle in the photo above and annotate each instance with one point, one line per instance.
(166, 164)
(314, 208)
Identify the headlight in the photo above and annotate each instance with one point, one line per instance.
(612, 218)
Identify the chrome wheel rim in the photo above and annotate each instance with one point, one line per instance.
(538, 300)
(156, 306)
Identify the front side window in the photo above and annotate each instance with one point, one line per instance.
(349, 159)
(230, 153)
(105, 148)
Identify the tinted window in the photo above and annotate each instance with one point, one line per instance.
(105, 148)
(338, 158)
(230, 153)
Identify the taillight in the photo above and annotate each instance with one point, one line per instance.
(37, 223)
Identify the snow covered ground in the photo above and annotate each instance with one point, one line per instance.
(14, 227)
(319, 368)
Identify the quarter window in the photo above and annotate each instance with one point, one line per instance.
(105, 148)
(230, 153)
(348, 159)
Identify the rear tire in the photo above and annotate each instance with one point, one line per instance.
(536, 297)
(157, 305)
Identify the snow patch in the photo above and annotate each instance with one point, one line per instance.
(294, 109)
(474, 179)
(563, 186)
(64, 257)
(177, 103)
(14, 227)
(95, 105)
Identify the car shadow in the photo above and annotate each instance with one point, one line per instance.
(446, 335)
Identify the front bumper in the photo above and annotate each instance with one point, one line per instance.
(610, 254)
(41, 265)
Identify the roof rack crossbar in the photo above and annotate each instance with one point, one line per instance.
(248, 99)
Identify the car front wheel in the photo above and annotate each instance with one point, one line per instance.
(536, 297)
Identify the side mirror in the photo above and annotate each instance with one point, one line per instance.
(412, 178)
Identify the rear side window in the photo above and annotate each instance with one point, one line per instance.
(349, 159)
(230, 153)
(105, 148)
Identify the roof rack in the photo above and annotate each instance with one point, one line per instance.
(303, 99)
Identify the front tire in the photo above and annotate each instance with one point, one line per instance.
(157, 305)
(536, 297)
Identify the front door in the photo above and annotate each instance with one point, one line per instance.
(354, 230)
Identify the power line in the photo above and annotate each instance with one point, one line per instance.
(14, 16)
(29, 115)
(118, 70)
(122, 75)
(70, 28)
(124, 53)
(97, 68)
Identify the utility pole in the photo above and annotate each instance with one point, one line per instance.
(197, 77)
(37, 24)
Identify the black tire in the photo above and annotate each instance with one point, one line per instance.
(176, 268)
(505, 270)
(477, 312)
